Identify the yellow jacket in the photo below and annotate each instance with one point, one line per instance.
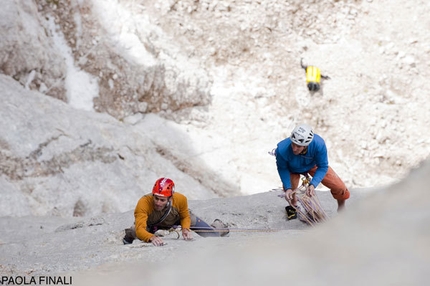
(144, 215)
(313, 74)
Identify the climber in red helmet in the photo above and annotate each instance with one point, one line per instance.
(164, 208)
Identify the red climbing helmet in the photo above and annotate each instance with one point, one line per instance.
(164, 187)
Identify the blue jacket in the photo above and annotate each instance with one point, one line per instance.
(287, 162)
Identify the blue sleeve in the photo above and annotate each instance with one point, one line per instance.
(321, 159)
(283, 171)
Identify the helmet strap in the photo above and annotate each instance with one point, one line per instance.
(305, 150)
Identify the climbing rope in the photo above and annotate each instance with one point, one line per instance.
(313, 212)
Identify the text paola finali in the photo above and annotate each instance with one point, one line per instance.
(36, 280)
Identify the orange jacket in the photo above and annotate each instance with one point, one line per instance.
(144, 214)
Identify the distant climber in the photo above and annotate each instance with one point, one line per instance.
(313, 77)
(163, 209)
(306, 153)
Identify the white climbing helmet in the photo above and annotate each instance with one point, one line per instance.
(302, 135)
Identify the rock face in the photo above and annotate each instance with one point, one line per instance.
(27, 52)
(100, 98)
(370, 236)
(56, 160)
(225, 74)
(136, 70)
